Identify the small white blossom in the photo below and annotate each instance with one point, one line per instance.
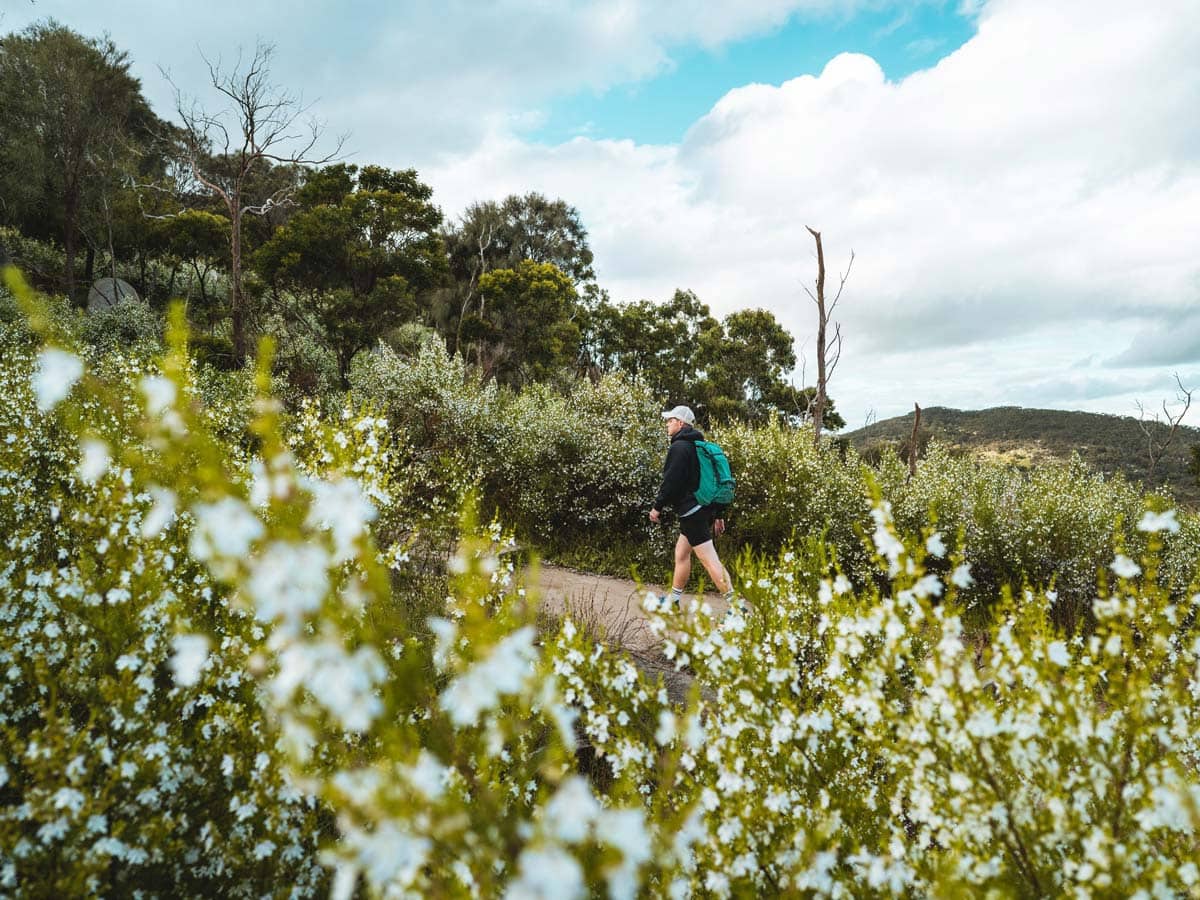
(288, 580)
(340, 507)
(569, 815)
(935, 545)
(546, 873)
(1057, 653)
(188, 659)
(481, 686)
(160, 514)
(666, 727)
(962, 578)
(159, 392)
(93, 459)
(223, 534)
(1125, 567)
(1153, 521)
(55, 375)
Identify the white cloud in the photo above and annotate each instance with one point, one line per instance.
(414, 79)
(1027, 202)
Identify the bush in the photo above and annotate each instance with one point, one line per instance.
(208, 676)
(131, 327)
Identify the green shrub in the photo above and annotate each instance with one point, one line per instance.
(208, 676)
(130, 327)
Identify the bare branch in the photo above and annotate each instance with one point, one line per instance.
(1152, 426)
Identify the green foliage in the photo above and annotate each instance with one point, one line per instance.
(525, 329)
(655, 343)
(209, 663)
(72, 121)
(131, 326)
(1027, 437)
(359, 254)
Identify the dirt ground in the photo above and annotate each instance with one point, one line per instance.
(612, 606)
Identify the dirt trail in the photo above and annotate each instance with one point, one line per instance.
(613, 607)
(615, 604)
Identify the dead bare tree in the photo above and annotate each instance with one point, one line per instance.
(220, 159)
(825, 364)
(1160, 433)
(912, 442)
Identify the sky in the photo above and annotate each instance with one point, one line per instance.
(1018, 180)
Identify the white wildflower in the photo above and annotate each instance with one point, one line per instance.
(666, 727)
(1153, 521)
(345, 684)
(1057, 653)
(1125, 567)
(569, 815)
(445, 633)
(288, 580)
(190, 655)
(390, 857)
(624, 829)
(547, 873)
(935, 545)
(340, 507)
(160, 514)
(480, 687)
(962, 576)
(159, 392)
(55, 375)
(928, 586)
(223, 534)
(93, 459)
(428, 775)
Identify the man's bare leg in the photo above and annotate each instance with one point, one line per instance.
(707, 554)
(683, 563)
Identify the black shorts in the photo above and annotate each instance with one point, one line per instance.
(697, 527)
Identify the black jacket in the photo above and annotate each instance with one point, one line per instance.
(681, 472)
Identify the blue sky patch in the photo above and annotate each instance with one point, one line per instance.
(660, 110)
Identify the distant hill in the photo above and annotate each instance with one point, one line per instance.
(1025, 436)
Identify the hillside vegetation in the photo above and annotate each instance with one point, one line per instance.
(1024, 437)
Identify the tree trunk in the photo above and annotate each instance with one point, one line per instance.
(820, 400)
(240, 351)
(89, 265)
(912, 442)
(70, 215)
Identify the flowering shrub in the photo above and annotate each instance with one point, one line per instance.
(118, 772)
(211, 687)
(851, 743)
(131, 327)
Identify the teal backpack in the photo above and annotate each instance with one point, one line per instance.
(717, 483)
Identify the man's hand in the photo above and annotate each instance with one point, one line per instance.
(654, 516)
(718, 527)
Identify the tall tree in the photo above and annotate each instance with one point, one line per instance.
(493, 235)
(656, 342)
(223, 159)
(71, 118)
(525, 328)
(360, 254)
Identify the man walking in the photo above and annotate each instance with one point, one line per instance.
(697, 523)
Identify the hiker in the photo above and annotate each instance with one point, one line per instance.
(697, 522)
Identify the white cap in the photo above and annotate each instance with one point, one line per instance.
(682, 413)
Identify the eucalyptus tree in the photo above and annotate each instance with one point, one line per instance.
(224, 154)
(73, 122)
(359, 255)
